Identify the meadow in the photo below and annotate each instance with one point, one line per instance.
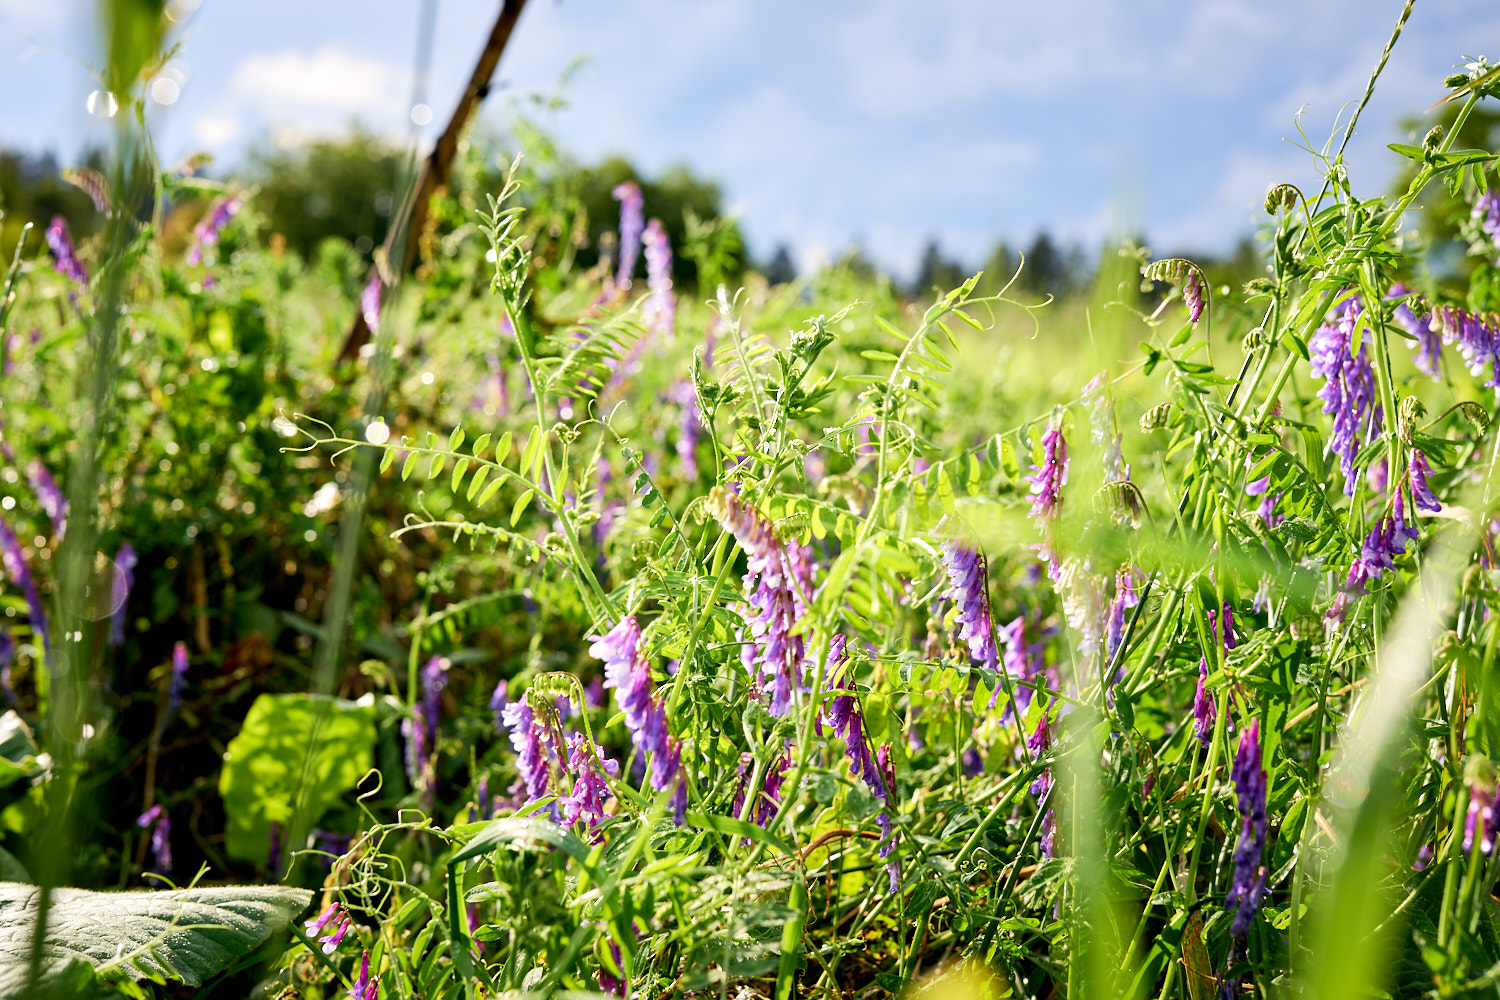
(558, 614)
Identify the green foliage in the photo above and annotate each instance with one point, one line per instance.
(183, 935)
(294, 757)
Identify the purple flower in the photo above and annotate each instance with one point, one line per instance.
(364, 987)
(1262, 488)
(847, 720)
(660, 309)
(632, 222)
(434, 680)
(628, 673)
(176, 685)
(1205, 711)
(20, 575)
(124, 580)
(1192, 295)
(49, 495)
(1348, 392)
(369, 305)
(1037, 744)
(1427, 343)
(7, 654)
(1479, 822)
(966, 588)
(1386, 541)
(1248, 884)
(1125, 597)
(65, 258)
(590, 791)
(161, 838)
(1487, 212)
(498, 701)
(1477, 341)
(1022, 661)
(206, 233)
(689, 431)
(1048, 480)
(1421, 493)
(607, 981)
(777, 584)
(531, 748)
(330, 917)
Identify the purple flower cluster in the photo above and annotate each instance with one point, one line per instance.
(206, 233)
(124, 580)
(49, 495)
(1387, 540)
(1348, 392)
(1205, 710)
(1262, 488)
(161, 838)
(966, 589)
(629, 675)
(1038, 743)
(1124, 599)
(848, 724)
(632, 222)
(768, 800)
(1475, 337)
(498, 702)
(334, 917)
(14, 561)
(1428, 344)
(778, 583)
(176, 685)
(690, 430)
(1487, 214)
(531, 744)
(1248, 885)
(364, 987)
(1192, 295)
(608, 982)
(660, 309)
(420, 729)
(369, 304)
(1047, 480)
(1421, 492)
(1023, 661)
(1479, 822)
(64, 256)
(590, 792)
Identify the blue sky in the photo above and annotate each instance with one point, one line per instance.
(883, 121)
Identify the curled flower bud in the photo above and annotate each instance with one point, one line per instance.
(1281, 197)
(1156, 418)
(1432, 141)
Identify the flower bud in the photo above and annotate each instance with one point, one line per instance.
(1156, 418)
(1432, 141)
(1409, 412)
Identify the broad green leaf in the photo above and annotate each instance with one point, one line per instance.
(294, 757)
(482, 443)
(455, 439)
(459, 468)
(529, 453)
(186, 935)
(476, 482)
(408, 465)
(436, 465)
(388, 459)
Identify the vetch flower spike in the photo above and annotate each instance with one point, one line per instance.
(1248, 885)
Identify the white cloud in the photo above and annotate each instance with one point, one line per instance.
(290, 83)
(215, 131)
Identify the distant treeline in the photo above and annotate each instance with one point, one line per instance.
(346, 188)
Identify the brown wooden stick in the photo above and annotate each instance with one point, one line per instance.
(436, 169)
